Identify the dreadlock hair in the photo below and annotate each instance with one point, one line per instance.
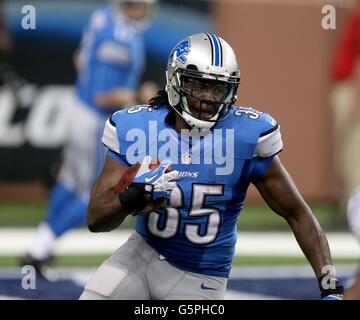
(161, 99)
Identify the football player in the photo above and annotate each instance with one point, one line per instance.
(187, 206)
(109, 64)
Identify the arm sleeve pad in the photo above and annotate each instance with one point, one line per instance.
(110, 138)
(269, 143)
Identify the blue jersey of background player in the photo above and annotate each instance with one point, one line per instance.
(188, 205)
(110, 61)
(109, 65)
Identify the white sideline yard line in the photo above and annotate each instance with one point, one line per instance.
(10, 298)
(15, 241)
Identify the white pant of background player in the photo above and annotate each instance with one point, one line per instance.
(137, 272)
(83, 158)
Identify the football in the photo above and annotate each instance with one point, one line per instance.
(130, 174)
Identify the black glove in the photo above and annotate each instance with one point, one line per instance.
(136, 197)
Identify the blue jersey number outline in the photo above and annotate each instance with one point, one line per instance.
(250, 112)
(197, 209)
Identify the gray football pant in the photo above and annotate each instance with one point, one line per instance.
(137, 272)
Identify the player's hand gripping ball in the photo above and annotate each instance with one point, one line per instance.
(144, 187)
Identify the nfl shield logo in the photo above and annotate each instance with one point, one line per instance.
(186, 158)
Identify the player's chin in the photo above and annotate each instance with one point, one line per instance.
(202, 113)
(206, 116)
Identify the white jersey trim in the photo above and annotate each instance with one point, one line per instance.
(269, 144)
(110, 138)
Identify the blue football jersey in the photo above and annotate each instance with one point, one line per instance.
(111, 55)
(196, 231)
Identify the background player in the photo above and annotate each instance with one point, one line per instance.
(184, 250)
(110, 62)
(345, 102)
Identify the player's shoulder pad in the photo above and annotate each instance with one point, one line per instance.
(259, 130)
(123, 125)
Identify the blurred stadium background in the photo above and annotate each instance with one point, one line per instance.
(284, 59)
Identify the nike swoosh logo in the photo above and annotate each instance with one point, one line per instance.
(206, 288)
(149, 179)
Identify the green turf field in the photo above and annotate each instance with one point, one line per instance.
(96, 260)
(254, 217)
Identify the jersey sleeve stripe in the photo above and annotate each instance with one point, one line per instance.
(269, 144)
(270, 130)
(112, 121)
(110, 138)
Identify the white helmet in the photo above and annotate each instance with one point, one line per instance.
(206, 61)
(151, 8)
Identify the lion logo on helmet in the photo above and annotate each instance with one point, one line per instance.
(180, 52)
